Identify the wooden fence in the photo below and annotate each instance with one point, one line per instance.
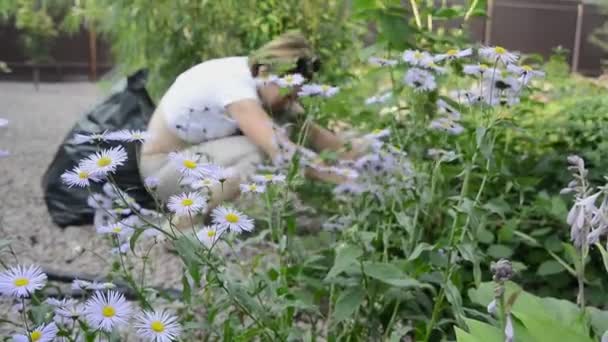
(529, 26)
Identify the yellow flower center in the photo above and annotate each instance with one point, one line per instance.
(288, 78)
(500, 50)
(190, 164)
(527, 68)
(483, 67)
(108, 311)
(253, 187)
(157, 326)
(417, 54)
(21, 282)
(83, 175)
(325, 87)
(377, 131)
(232, 218)
(104, 161)
(452, 52)
(186, 202)
(211, 233)
(36, 335)
(117, 229)
(268, 177)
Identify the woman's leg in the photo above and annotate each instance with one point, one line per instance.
(236, 153)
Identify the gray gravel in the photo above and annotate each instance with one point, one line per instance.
(38, 122)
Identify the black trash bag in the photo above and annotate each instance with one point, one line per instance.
(127, 108)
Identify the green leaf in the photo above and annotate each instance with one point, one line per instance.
(347, 303)
(497, 206)
(604, 255)
(389, 273)
(452, 294)
(134, 238)
(187, 291)
(500, 251)
(420, 248)
(346, 256)
(484, 331)
(550, 267)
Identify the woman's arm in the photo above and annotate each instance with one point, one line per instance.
(257, 125)
(323, 139)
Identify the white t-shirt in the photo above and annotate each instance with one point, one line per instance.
(195, 104)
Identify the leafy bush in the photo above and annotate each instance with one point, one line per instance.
(172, 36)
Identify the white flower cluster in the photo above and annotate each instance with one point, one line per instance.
(105, 310)
(297, 81)
(98, 166)
(587, 221)
(499, 86)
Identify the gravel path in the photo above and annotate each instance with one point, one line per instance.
(38, 121)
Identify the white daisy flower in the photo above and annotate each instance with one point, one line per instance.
(420, 80)
(187, 163)
(122, 249)
(186, 204)
(498, 53)
(105, 161)
(263, 80)
(203, 183)
(217, 172)
(90, 138)
(378, 133)
(378, 98)
(209, 235)
(73, 311)
(291, 80)
(252, 188)
(269, 178)
(151, 182)
(436, 68)
(378, 61)
(417, 58)
(230, 219)
(3, 122)
(21, 281)
(157, 326)
(476, 69)
(525, 72)
(95, 286)
(129, 135)
(80, 285)
(447, 125)
(58, 303)
(309, 90)
(453, 54)
(44, 333)
(79, 177)
(328, 91)
(99, 201)
(116, 228)
(444, 107)
(107, 310)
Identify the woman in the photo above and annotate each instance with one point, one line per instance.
(220, 111)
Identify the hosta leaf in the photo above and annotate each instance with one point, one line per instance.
(389, 273)
(345, 257)
(347, 303)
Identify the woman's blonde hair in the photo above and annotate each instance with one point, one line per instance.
(284, 53)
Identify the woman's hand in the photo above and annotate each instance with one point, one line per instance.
(326, 176)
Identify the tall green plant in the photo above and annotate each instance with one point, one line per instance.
(171, 36)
